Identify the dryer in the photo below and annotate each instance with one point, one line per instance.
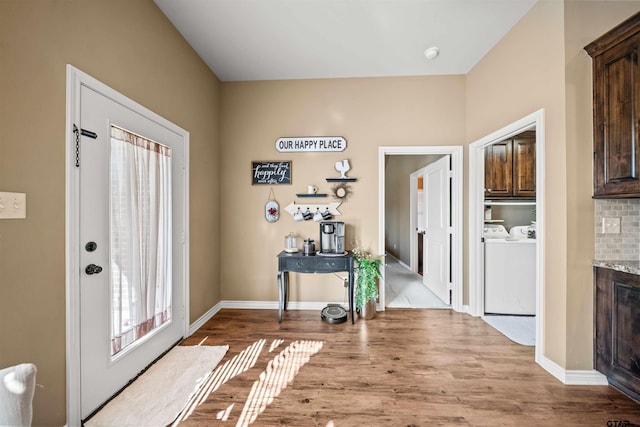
(509, 271)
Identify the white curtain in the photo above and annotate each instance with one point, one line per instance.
(140, 237)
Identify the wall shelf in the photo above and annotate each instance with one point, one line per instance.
(342, 179)
(311, 195)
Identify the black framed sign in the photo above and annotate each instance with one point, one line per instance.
(271, 172)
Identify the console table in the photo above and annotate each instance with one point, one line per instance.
(299, 263)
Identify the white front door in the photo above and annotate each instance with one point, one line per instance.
(101, 373)
(436, 251)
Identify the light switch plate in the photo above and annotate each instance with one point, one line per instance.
(13, 205)
(611, 225)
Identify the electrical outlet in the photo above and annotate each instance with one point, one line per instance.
(13, 205)
(611, 225)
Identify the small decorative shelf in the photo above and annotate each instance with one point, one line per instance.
(342, 179)
(311, 195)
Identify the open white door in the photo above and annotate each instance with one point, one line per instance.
(437, 245)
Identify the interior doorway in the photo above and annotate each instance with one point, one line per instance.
(476, 218)
(453, 230)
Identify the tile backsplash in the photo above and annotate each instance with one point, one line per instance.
(626, 245)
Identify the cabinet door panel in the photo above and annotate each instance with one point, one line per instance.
(626, 329)
(617, 111)
(524, 167)
(498, 170)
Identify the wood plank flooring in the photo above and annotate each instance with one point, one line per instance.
(405, 367)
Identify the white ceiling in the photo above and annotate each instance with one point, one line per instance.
(302, 39)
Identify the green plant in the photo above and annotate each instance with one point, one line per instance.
(367, 271)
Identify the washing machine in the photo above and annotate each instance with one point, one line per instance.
(509, 271)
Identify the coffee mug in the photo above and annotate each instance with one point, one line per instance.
(326, 215)
(298, 216)
(318, 215)
(307, 214)
(312, 189)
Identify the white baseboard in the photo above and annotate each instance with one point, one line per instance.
(204, 318)
(403, 264)
(256, 305)
(273, 305)
(572, 377)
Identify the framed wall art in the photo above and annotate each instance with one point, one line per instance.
(270, 172)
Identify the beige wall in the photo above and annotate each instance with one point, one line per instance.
(369, 113)
(541, 64)
(130, 46)
(521, 74)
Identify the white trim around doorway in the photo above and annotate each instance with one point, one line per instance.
(456, 153)
(476, 215)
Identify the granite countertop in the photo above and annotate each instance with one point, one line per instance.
(632, 267)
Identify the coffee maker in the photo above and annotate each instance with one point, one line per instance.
(332, 238)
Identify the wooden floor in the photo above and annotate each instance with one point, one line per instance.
(406, 367)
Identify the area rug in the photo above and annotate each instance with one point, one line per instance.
(157, 397)
(519, 329)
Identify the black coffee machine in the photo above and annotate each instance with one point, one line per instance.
(332, 238)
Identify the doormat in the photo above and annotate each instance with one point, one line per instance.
(157, 397)
(519, 329)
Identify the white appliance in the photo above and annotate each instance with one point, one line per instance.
(509, 271)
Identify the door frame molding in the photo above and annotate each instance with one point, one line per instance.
(75, 80)
(476, 218)
(456, 153)
(413, 220)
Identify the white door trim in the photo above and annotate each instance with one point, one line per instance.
(456, 153)
(476, 215)
(76, 79)
(413, 220)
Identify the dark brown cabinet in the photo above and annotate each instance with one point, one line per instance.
(510, 168)
(498, 170)
(616, 111)
(616, 344)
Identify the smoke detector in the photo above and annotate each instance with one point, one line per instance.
(432, 52)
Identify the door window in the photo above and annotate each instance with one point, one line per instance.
(141, 247)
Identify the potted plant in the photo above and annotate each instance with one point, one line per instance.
(367, 270)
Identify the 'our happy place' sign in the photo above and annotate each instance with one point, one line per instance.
(311, 143)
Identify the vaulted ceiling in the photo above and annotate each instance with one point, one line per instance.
(301, 39)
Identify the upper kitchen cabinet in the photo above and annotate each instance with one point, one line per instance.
(510, 168)
(616, 111)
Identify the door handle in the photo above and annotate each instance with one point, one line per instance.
(92, 269)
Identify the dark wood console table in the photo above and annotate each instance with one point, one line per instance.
(299, 263)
